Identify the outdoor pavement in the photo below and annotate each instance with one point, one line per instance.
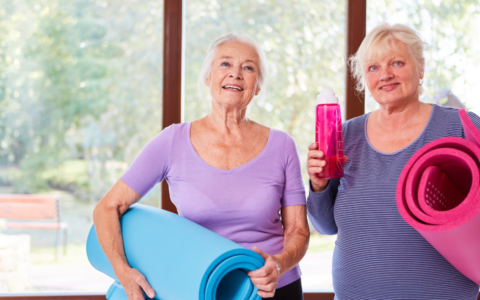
(68, 278)
(316, 269)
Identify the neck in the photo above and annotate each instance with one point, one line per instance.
(225, 118)
(397, 117)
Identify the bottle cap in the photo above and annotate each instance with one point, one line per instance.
(327, 96)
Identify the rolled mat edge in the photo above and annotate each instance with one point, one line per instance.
(445, 172)
(179, 258)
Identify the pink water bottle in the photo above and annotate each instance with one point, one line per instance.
(328, 133)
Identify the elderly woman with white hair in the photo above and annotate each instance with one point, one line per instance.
(226, 173)
(377, 254)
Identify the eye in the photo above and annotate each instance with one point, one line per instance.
(224, 64)
(398, 63)
(372, 68)
(249, 68)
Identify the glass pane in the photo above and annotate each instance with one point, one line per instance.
(80, 95)
(305, 45)
(452, 60)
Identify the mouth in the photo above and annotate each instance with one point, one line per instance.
(389, 86)
(232, 87)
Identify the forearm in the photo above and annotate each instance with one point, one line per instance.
(294, 249)
(320, 209)
(106, 218)
(297, 236)
(109, 233)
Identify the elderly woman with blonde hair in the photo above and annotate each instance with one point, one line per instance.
(377, 254)
(225, 172)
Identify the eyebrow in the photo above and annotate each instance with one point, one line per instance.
(230, 57)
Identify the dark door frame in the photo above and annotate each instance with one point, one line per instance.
(172, 68)
(172, 95)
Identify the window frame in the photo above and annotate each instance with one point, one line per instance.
(172, 97)
(172, 107)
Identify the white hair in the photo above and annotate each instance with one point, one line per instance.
(231, 37)
(382, 40)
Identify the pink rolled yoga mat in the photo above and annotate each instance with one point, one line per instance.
(438, 194)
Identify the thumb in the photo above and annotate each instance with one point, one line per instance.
(345, 158)
(263, 255)
(313, 146)
(147, 288)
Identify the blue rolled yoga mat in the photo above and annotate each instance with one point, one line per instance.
(180, 259)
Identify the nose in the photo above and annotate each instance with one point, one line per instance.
(386, 74)
(236, 73)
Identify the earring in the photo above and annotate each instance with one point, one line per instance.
(421, 81)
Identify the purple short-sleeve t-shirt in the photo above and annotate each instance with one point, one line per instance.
(241, 204)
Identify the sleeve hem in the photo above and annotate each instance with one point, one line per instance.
(294, 199)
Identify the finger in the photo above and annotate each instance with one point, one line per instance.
(345, 159)
(313, 146)
(315, 154)
(314, 170)
(265, 294)
(146, 287)
(262, 254)
(135, 293)
(316, 163)
(267, 287)
(262, 272)
(263, 275)
(262, 282)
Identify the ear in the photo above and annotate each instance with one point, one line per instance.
(207, 81)
(257, 90)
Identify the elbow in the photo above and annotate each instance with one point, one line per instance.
(97, 213)
(323, 226)
(102, 210)
(327, 231)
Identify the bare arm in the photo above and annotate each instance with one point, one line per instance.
(295, 245)
(106, 218)
(297, 236)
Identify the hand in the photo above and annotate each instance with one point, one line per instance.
(315, 165)
(266, 278)
(134, 283)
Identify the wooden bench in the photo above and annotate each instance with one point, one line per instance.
(23, 211)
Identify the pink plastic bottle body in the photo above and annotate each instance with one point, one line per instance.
(329, 137)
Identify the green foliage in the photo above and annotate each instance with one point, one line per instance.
(80, 80)
(304, 41)
(450, 28)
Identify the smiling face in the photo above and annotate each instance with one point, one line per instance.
(394, 78)
(233, 80)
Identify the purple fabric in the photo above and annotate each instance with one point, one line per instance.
(241, 204)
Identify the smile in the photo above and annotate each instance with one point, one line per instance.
(232, 87)
(389, 87)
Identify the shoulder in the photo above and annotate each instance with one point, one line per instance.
(445, 120)
(355, 125)
(282, 146)
(475, 119)
(280, 137)
(170, 133)
(354, 132)
(446, 113)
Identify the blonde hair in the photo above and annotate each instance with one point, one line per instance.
(232, 37)
(382, 40)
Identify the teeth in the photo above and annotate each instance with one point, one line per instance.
(232, 87)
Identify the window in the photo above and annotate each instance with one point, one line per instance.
(80, 86)
(304, 43)
(452, 61)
